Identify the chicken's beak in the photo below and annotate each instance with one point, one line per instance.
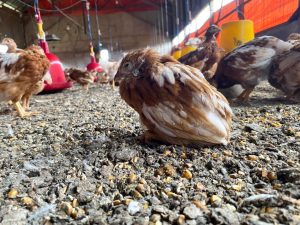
(118, 77)
(47, 78)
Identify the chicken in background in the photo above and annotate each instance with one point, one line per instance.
(249, 64)
(174, 101)
(111, 69)
(207, 56)
(20, 72)
(34, 88)
(294, 38)
(83, 77)
(285, 72)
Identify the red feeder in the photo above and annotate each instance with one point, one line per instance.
(56, 71)
(93, 65)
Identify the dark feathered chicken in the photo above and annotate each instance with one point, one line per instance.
(285, 72)
(174, 101)
(206, 56)
(249, 64)
(83, 77)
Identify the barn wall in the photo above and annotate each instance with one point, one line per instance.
(120, 31)
(284, 30)
(11, 25)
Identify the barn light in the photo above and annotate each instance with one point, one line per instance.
(104, 55)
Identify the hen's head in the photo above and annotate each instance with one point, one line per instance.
(34, 49)
(294, 36)
(10, 43)
(137, 64)
(212, 31)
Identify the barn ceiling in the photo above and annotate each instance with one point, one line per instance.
(69, 6)
(174, 14)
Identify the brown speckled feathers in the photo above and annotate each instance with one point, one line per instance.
(174, 101)
(19, 71)
(285, 72)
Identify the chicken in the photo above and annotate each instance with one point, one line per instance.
(174, 101)
(207, 55)
(35, 88)
(19, 72)
(285, 72)
(103, 78)
(111, 69)
(249, 64)
(294, 38)
(84, 78)
(11, 44)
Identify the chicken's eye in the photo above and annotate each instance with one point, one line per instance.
(128, 66)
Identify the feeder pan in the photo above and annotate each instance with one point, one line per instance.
(94, 66)
(56, 71)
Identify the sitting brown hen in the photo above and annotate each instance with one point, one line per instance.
(285, 72)
(207, 55)
(249, 64)
(83, 77)
(175, 102)
(19, 72)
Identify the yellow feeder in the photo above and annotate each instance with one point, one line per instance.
(187, 49)
(190, 46)
(176, 54)
(236, 33)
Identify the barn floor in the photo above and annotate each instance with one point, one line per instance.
(79, 162)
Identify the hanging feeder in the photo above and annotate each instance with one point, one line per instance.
(56, 69)
(93, 65)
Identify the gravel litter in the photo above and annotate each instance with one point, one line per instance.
(80, 162)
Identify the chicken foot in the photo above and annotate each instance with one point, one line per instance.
(21, 111)
(86, 87)
(113, 84)
(25, 103)
(244, 96)
(148, 137)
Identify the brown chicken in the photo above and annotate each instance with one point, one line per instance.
(285, 72)
(35, 88)
(19, 72)
(207, 55)
(249, 64)
(175, 102)
(83, 77)
(11, 44)
(111, 69)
